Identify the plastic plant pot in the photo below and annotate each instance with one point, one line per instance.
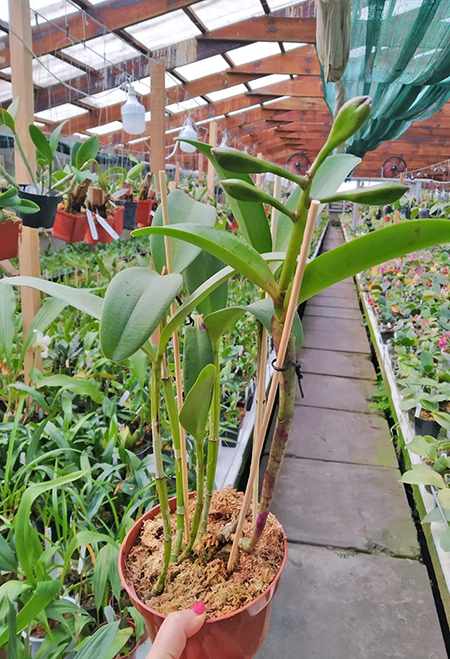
(129, 215)
(143, 217)
(424, 213)
(425, 426)
(9, 239)
(45, 217)
(118, 220)
(237, 635)
(103, 236)
(70, 227)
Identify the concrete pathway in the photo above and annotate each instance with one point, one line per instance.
(353, 587)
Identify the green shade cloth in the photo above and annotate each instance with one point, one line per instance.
(400, 56)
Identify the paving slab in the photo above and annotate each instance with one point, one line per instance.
(336, 393)
(332, 312)
(345, 505)
(343, 364)
(341, 289)
(348, 340)
(339, 436)
(323, 324)
(333, 605)
(348, 293)
(332, 301)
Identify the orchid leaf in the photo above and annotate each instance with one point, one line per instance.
(194, 413)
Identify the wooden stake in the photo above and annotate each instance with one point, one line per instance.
(158, 119)
(397, 212)
(262, 367)
(177, 173)
(211, 172)
(176, 356)
(287, 328)
(20, 41)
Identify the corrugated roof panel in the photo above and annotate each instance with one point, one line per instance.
(253, 51)
(203, 68)
(190, 104)
(99, 52)
(49, 70)
(5, 90)
(268, 80)
(164, 30)
(105, 98)
(60, 112)
(218, 13)
(226, 93)
(280, 4)
(291, 45)
(106, 128)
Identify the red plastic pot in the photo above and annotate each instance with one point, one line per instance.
(118, 220)
(143, 217)
(238, 635)
(9, 239)
(70, 227)
(103, 235)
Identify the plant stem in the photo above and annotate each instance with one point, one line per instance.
(24, 158)
(295, 241)
(213, 444)
(281, 435)
(161, 483)
(200, 474)
(172, 412)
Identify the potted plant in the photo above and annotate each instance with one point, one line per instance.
(139, 300)
(103, 222)
(10, 204)
(146, 202)
(123, 189)
(71, 222)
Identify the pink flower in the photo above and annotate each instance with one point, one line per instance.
(442, 343)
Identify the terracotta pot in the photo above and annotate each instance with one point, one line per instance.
(103, 235)
(118, 220)
(237, 635)
(143, 217)
(9, 239)
(70, 227)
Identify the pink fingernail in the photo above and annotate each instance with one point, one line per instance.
(198, 608)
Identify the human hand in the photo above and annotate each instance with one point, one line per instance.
(175, 631)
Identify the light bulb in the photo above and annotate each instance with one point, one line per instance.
(188, 132)
(133, 114)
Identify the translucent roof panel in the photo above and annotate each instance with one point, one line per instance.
(253, 51)
(268, 80)
(291, 45)
(202, 68)
(164, 30)
(139, 139)
(142, 86)
(190, 104)
(250, 107)
(49, 70)
(49, 10)
(5, 90)
(226, 93)
(108, 97)
(101, 51)
(280, 4)
(171, 81)
(276, 100)
(60, 112)
(209, 119)
(218, 13)
(106, 128)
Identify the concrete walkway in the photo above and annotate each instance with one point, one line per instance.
(353, 587)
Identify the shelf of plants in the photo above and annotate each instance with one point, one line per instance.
(407, 306)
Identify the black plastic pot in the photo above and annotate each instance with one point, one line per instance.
(229, 438)
(45, 217)
(424, 213)
(387, 335)
(426, 426)
(145, 447)
(129, 215)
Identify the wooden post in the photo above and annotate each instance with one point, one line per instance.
(20, 43)
(177, 173)
(157, 119)
(397, 212)
(211, 172)
(201, 166)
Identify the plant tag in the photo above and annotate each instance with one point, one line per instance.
(92, 227)
(107, 227)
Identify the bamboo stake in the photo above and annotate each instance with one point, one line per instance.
(262, 366)
(287, 328)
(176, 355)
(397, 212)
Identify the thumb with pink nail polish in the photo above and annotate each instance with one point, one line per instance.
(175, 631)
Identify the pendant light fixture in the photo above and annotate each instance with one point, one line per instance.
(188, 132)
(133, 114)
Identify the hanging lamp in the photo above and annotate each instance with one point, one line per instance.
(133, 114)
(188, 132)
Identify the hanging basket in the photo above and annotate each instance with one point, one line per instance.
(9, 239)
(143, 217)
(70, 227)
(45, 217)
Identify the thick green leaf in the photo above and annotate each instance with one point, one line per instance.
(198, 353)
(220, 321)
(194, 413)
(8, 561)
(100, 643)
(75, 385)
(41, 143)
(421, 474)
(7, 326)
(435, 516)
(76, 297)
(54, 137)
(106, 560)
(251, 218)
(135, 170)
(45, 592)
(332, 173)
(443, 418)
(374, 248)
(87, 151)
(226, 246)
(248, 192)
(182, 209)
(375, 195)
(241, 162)
(22, 520)
(27, 207)
(84, 538)
(284, 225)
(199, 271)
(7, 120)
(135, 303)
(444, 498)
(420, 446)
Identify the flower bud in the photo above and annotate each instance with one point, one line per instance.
(349, 120)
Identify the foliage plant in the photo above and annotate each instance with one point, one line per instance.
(139, 301)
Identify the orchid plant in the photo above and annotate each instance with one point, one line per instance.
(192, 255)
